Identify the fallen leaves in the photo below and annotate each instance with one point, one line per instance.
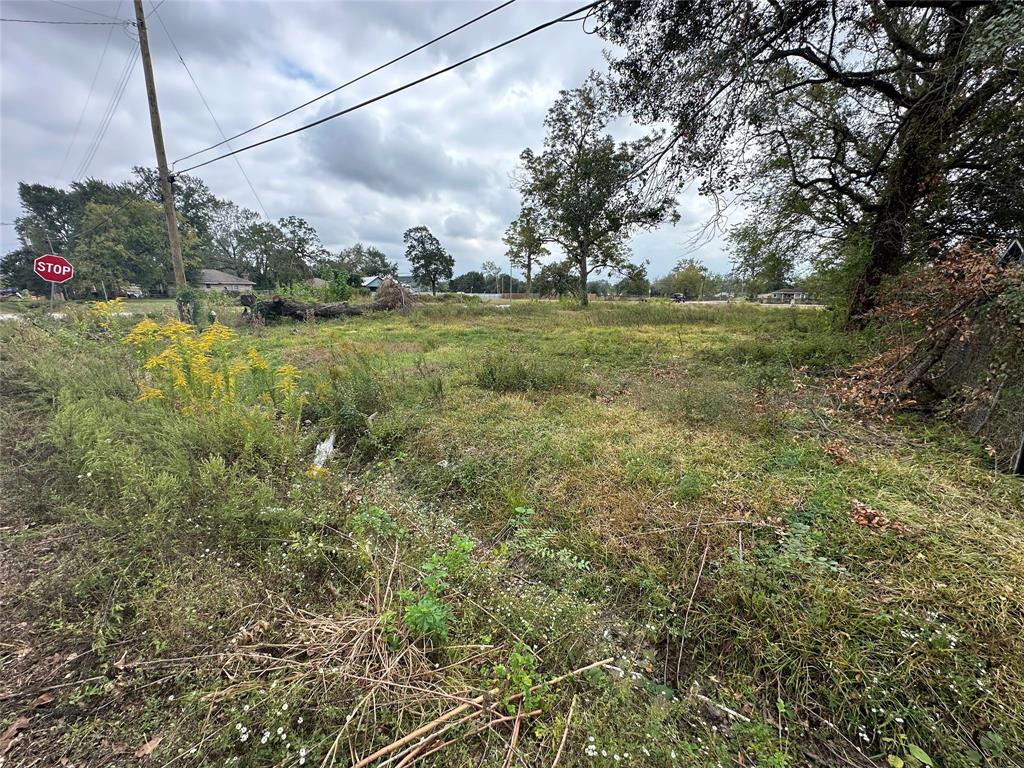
(42, 700)
(865, 516)
(147, 748)
(12, 735)
(840, 453)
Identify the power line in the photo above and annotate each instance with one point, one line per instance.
(206, 104)
(350, 82)
(88, 98)
(88, 10)
(399, 89)
(108, 115)
(80, 23)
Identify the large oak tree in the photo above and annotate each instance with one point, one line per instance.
(857, 130)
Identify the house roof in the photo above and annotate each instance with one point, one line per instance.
(368, 281)
(217, 277)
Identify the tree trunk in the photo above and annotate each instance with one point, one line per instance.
(278, 308)
(584, 274)
(907, 183)
(529, 282)
(916, 169)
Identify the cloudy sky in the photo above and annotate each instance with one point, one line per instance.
(439, 154)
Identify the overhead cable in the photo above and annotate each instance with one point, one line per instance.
(88, 98)
(79, 23)
(108, 115)
(350, 82)
(206, 104)
(399, 89)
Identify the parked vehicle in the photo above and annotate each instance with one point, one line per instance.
(678, 298)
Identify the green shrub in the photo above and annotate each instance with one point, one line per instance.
(503, 371)
(348, 397)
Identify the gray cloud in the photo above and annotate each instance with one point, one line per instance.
(398, 160)
(440, 154)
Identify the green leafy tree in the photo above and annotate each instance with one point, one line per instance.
(585, 186)
(635, 283)
(762, 258)
(689, 277)
(226, 246)
(263, 244)
(127, 244)
(367, 261)
(893, 123)
(52, 218)
(556, 280)
(193, 200)
(339, 287)
(491, 271)
(300, 254)
(431, 263)
(525, 241)
(16, 270)
(471, 282)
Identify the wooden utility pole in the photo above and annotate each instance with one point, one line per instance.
(166, 191)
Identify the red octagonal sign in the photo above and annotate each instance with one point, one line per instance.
(53, 268)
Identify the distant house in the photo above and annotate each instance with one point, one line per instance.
(784, 296)
(373, 283)
(215, 280)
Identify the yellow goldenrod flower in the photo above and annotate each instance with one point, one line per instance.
(214, 335)
(287, 375)
(176, 330)
(144, 332)
(256, 361)
(150, 393)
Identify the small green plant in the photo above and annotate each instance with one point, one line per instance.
(517, 679)
(800, 546)
(428, 616)
(536, 542)
(370, 521)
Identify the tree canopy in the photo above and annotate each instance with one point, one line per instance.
(110, 234)
(585, 187)
(431, 263)
(366, 261)
(525, 240)
(886, 125)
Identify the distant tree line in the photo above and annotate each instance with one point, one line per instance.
(116, 236)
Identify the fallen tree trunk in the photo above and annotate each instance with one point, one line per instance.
(277, 308)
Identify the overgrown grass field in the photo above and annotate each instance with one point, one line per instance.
(639, 534)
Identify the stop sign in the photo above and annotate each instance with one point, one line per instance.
(53, 268)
